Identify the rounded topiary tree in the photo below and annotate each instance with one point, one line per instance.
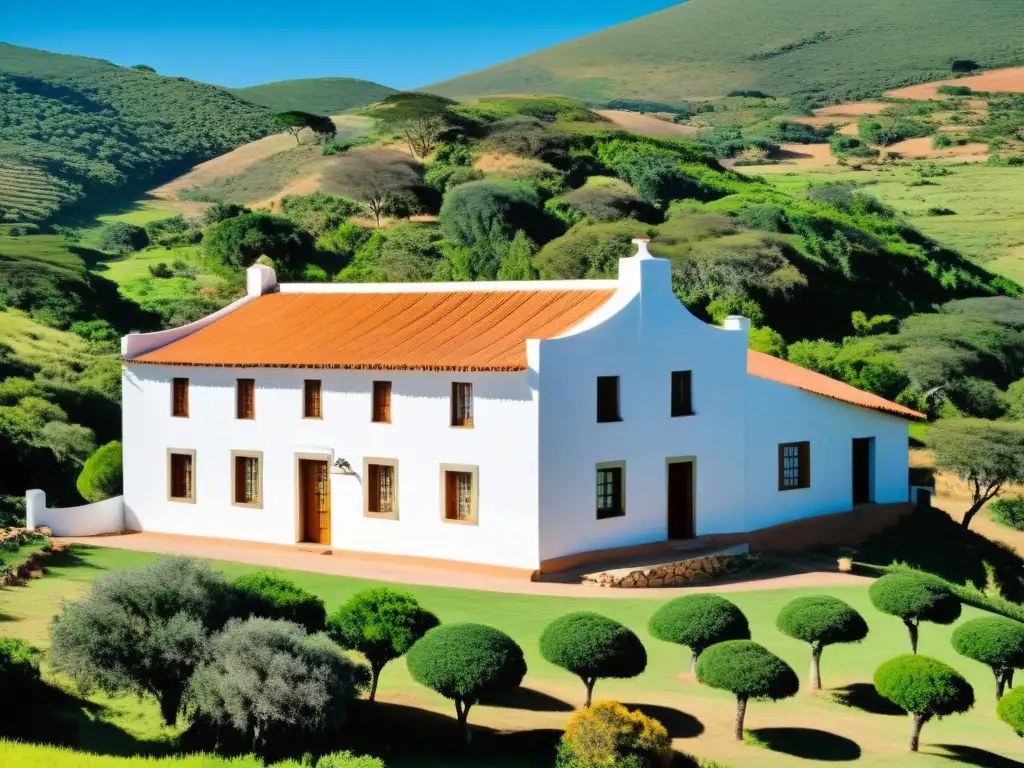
(996, 642)
(100, 477)
(382, 624)
(821, 620)
(697, 622)
(748, 670)
(466, 663)
(593, 646)
(913, 598)
(925, 688)
(608, 734)
(271, 596)
(1011, 710)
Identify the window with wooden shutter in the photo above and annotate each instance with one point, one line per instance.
(247, 478)
(682, 396)
(608, 398)
(794, 466)
(181, 475)
(611, 496)
(179, 398)
(462, 405)
(312, 407)
(245, 397)
(382, 402)
(459, 493)
(381, 482)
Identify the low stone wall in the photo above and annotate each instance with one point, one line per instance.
(105, 516)
(694, 569)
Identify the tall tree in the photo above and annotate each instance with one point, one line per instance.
(420, 117)
(373, 176)
(294, 122)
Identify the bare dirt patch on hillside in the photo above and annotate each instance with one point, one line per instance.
(816, 122)
(646, 125)
(852, 109)
(794, 157)
(922, 149)
(849, 130)
(1010, 80)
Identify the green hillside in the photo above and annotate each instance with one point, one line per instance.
(704, 48)
(72, 126)
(319, 95)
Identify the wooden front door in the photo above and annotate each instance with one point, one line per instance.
(862, 471)
(315, 500)
(681, 521)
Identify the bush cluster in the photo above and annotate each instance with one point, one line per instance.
(608, 734)
(270, 596)
(1009, 511)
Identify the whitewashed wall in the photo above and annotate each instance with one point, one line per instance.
(105, 516)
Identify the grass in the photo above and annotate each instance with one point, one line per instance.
(15, 755)
(818, 730)
(834, 49)
(134, 281)
(319, 95)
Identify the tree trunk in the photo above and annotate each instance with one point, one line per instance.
(375, 676)
(741, 712)
(590, 690)
(1002, 678)
(816, 650)
(970, 513)
(693, 662)
(1009, 678)
(170, 703)
(916, 721)
(462, 711)
(912, 627)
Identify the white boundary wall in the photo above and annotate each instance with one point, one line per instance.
(105, 516)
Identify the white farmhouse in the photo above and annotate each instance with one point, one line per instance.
(505, 424)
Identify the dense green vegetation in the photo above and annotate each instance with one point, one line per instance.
(828, 50)
(319, 95)
(74, 127)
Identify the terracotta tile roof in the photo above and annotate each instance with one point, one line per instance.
(772, 368)
(430, 330)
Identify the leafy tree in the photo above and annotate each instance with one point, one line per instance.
(698, 622)
(466, 663)
(405, 253)
(607, 199)
(517, 263)
(421, 117)
(658, 179)
(475, 211)
(374, 176)
(976, 397)
(19, 670)
(963, 66)
(294, 122)
(1009, 511)
(748, 670)
(821, 620)
(766, 216)
(101, 474)
(769, 341)
(987, 455)
(240, 240)
(1011, 710)
(382, 624)
(885, 131)
(143, 68)
(220, 211)
(142, 631)
(318, 212)
(121, 237)
(272, 683)
(270, 596)
(996, 642)
(608, 734)
(913, 598)
(588, 251)
(924, 687)
(592, 646)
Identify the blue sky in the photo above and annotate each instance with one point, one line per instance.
(397, 42)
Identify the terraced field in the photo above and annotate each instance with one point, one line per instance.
(29, 194)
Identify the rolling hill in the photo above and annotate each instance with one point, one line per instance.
(832, 50)
(72, 126)
(319, 95)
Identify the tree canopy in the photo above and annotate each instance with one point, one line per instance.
(697, 622)
(994, 641)
(913, 598)
(821, 620)
(924, 687)
(374, 176)
(240, 240)
(268, 595)
(100, 477)
(1011, 710)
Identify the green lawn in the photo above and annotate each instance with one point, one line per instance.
(816, 730)
(134, 281)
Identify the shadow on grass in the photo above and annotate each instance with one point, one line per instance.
(976, 756)
(808, 743)
(529, 699)
(864, 697)
(680, 725)
(75, 556)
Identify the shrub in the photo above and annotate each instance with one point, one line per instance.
(142, 631)
(100, 477)
(382, 624)
(19, 670)
(938, 210)
(121, 237)
(270, 596)
(238, 241)
(271, 683)
(220, 211)
(850, 146)
(1011, 710)
(954, 90)
(821, 620)
(160, 270)
(474, 211)
(913, 598)
(925, 688)
(603, 199)
(748, 670)
(996, 642)
(592, 646)
(698, 622)
(466, 663)
(1009, 511)
(348, 760)
(770, 218)
(608, 734)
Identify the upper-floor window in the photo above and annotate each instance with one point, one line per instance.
(179, 398)
(794, 466)
(462, 404)
(608, 398)
(312, 404)
(682, 394)
(245, 399)
(382, 401)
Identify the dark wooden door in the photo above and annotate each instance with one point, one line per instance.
(862, 471)
(681, 522)
(315, 500)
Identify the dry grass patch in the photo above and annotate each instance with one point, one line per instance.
(646, 125)
(852, 109)
(922, 149)
(1009, 80)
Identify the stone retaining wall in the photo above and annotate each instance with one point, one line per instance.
(695, 569)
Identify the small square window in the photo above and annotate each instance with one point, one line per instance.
(380, 480)
(459, 493)
(181, 475)
(462, 404)
(179, 398)
(312, 402)
(794, 466)
(682, 394)
(608, 399)
(611, 496)
(245, 399)
(247, 479)
(382, 402)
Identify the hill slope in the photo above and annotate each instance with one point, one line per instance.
(703, 48)
(70, 125)
(319, 95)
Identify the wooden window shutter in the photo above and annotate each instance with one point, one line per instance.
(382, 401)
(246, 399)
(462, 404)
(451, 495)
(179, 397)
(313, 397)
(373, 478)
(240, 474)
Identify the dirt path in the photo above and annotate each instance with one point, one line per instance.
(352, 566)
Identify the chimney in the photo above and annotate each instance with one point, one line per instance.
(645, 273)
(738, 323)
(260, 279)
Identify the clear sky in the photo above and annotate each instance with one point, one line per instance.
(396, 42)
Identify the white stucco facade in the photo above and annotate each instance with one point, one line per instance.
(535, 443)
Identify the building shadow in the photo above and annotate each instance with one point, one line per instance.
(529, 699)
(864, 697)
(679, 724)
(808, 743)
(976, 756)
